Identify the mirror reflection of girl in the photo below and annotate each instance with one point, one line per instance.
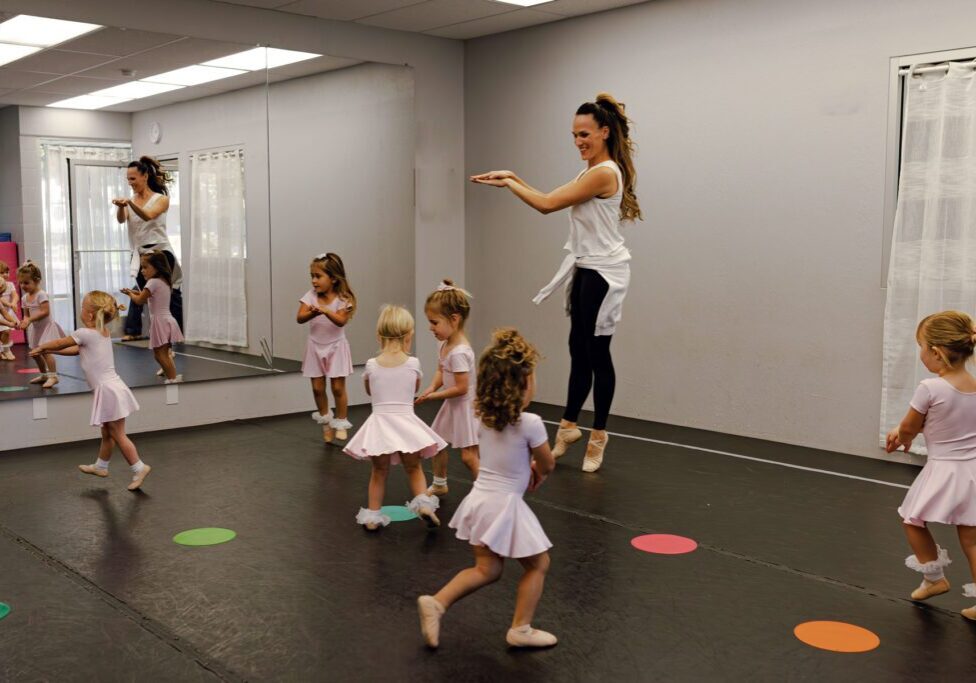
(447, 310)
(38, 323)
(145, 216)
(393, 434)
(8, 312)
(112, 401)
(328, 307)
(163, 328)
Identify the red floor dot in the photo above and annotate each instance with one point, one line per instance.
(28, 371)
(836, 636)
(664, 544)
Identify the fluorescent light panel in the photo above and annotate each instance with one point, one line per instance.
(11, 53)
(88, 102)
(192, 75)
(259, 58)
(135, 90)
(42, 32)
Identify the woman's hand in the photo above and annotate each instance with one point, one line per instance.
(493, 175)
(120, 202)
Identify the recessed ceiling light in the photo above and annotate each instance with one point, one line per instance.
(135, 90)
(40, 31)
(88, 102)
(523, 3)
(261, 57)
(192, 75)
(11, 53)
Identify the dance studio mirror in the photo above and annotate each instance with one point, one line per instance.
(76, 108)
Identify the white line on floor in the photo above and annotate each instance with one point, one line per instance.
(227, 362)
(748, 457)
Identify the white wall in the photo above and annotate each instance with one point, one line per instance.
(756, 306)
(225, 120)
(342, 151)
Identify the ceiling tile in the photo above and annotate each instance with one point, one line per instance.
(264, 4)
(166, 58)
(436, 13)
(343, 9)
(61, 61)
(571, 8)
(11, 78)
(76, 85)
(117, 42)
(31, 98)
(498, 23)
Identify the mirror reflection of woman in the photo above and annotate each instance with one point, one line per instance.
(145, 215)
(596, 272)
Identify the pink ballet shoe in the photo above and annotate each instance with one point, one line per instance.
(930, 589)
(567, 434)
(40, 379)
(526, 636)
(51, 380)
(93, 469)
(430, 612)
(137, 479)
(593, 459)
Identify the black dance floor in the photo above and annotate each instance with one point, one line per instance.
(136, 366)
(100, 592)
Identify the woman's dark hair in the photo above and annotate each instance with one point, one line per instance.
(157, 177)
(606, 111)
(157, 259)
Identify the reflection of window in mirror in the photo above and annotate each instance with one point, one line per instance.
(171, 164)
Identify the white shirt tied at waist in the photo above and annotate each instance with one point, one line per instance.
(148, 236)
(615, 269)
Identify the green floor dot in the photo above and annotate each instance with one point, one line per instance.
(397, 513)
(4, 609)
(207, 536)
(13, 389)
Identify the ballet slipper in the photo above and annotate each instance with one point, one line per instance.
(526, 636)
(51, 380)
(176, 380)
(340, 425)
(137, 479)
(594, 452)
(435, 490)
(40, 379)
(929, 589)
(424, 505)
(430, 612)
(93, 469)
(969, 590)
(372, 519)
(568, 433)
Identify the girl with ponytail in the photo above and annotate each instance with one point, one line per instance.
(596, 272)
(112, 399)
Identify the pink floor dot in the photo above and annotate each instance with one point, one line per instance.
(664, 544)
(28, 371)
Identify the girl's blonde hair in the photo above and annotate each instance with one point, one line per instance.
(29, 270)
(4, 268)
(394, 325)
(503, 377)
(951, 334)
(106, 308)
(449, 299)
(332, 265)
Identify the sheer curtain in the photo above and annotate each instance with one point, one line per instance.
(57, 216)
(216, 309)
(933, 252)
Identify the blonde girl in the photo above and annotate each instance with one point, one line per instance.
(447, 310)
(944, 411)
(328, 307)
(112, 400)
(8, 312)
(393, 434)
(38, 322)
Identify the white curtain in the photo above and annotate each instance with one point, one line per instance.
(933, 252)
(216, 307)
(57, 216)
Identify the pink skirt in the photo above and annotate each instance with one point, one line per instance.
(113, 401)
(500, 521)
(944, 492)
(394, 433)
(329, 360)
(456, 422)
(42, 332)
(163, 329)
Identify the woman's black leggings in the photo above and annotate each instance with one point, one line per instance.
(591, 364)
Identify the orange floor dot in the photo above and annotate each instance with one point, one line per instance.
(836, 636)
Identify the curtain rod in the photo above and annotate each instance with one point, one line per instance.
(905, 70)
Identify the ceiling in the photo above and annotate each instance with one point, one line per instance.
(97, 60)
(461, 19)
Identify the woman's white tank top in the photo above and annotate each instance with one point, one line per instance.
(595, 224)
